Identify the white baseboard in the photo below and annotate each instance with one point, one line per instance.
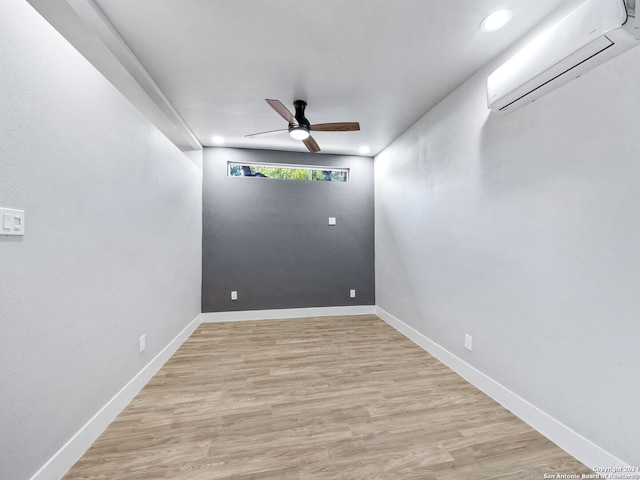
(71, 451)
(576, 445)
(214, 317)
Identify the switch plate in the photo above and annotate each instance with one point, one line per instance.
(468, 342)
(12, 221)
(352, 293)
(234, 295)
(332, 221)
(143, 343)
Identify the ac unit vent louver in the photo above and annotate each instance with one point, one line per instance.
(593, 33)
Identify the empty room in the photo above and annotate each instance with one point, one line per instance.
(342, 239)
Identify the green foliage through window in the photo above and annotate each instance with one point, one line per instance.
(289, 172)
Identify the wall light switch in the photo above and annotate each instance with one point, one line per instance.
(332, 220)
(352, 293)
(143, 343)
(12, 221)
(234, 295)
(468, 342)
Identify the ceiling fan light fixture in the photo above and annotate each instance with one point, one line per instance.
(299, 133)
(300, 128)
(496, 20)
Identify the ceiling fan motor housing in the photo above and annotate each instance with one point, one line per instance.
(301, 119)
(302, 130)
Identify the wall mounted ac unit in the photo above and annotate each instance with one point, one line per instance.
(593, 33)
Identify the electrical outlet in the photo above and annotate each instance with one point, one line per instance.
(468, 341)
(352, 293)
(234, 295)
(143, 343)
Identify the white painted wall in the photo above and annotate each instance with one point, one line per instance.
(112, 247)
(524, 232)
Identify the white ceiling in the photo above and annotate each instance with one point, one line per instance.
(383, 63)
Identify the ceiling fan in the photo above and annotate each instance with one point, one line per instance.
(300, 128)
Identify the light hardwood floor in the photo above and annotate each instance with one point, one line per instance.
(315, 398)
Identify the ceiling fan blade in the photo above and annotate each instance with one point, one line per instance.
(335, 127)
(270, 132)
(311, 144)
(281, 109)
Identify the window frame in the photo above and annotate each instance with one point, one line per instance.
(291, 166)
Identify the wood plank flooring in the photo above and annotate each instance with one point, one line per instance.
(314, 398)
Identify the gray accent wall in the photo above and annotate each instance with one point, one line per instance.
(269, 239)
(524, 232)
(111, 249)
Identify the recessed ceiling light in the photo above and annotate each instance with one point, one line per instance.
(218, 140)
(364, 150)
(496, 20)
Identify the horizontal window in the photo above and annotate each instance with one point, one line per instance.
(288, 172)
